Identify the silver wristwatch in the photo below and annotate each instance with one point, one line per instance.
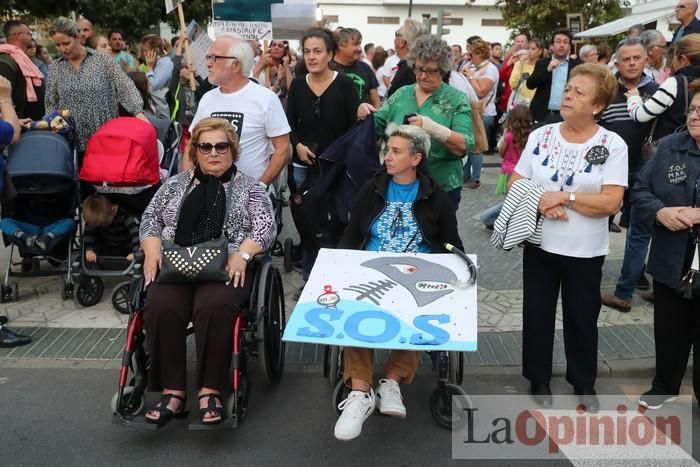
(572, 198)
(245, 255)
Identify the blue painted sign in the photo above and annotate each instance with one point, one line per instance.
(388, 301)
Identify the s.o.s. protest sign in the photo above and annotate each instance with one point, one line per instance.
(409, 301)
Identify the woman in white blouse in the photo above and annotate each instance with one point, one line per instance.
(583, 168)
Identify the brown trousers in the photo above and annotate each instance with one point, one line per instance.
(359, 363)
(211, 307)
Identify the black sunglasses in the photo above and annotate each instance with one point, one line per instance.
(220, 148)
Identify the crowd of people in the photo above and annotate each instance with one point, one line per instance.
(585, 134)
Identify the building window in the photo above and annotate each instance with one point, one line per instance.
(492, 22)
(331, 18)
(382, 20)
(449, 21)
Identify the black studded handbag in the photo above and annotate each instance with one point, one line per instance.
(201, 262)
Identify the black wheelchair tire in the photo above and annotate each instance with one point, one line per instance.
(271, 323)
(335, 365)
(128, 407)
(456, 367)
(442, 411)
(340, 393)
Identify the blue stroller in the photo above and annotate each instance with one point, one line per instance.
(41, 167)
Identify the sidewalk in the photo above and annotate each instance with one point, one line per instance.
(62, 330)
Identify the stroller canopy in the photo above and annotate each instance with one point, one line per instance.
(41, 162)
(123, 152)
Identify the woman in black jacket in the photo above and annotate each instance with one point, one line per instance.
(665, 196)
(400, 210)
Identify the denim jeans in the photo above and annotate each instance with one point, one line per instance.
(61, 227)
(488, 217)
(472, 169)
(636, 247)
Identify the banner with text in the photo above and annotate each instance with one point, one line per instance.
(389, 301)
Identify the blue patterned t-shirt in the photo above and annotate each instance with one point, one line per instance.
(395, 229)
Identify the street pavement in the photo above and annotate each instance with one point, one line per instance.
(56, 391)
(56, 414)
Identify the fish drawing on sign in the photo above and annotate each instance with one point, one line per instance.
(426, 281)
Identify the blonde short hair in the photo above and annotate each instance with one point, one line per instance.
(213, 124)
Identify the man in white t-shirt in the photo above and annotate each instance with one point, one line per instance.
(255, 111)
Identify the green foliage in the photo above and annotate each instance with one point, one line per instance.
(133, 17)
(540, 18)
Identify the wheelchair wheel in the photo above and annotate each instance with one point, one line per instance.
(120, 297)
(340, 393)
(450, 411)
(334, 357)
(456, 367)
(128, 406)
(89, 290)
(288, 255)
(271, 348)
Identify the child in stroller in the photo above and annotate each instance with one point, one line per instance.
(110, 230)
(38, 233)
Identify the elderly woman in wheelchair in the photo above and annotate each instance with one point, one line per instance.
(401, 209)
(190, 214)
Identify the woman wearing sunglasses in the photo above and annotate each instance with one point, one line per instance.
(198, 205)
(321, 107)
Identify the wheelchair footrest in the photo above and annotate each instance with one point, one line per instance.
(231, 422)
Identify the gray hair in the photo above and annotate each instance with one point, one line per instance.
(63, 25)
(650, 37)
(630, 42)
(412, 29)
(242, 50)
(586, 50)
(418, 139)
(432, 48)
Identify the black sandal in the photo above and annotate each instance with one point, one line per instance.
(164, 413)
(211, 407)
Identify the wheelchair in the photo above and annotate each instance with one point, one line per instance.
(449, 367)
(447, 411)
(257, 332)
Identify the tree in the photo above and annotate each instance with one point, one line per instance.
(540, 18)
(133, 17)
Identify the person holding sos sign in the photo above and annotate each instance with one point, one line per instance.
(402, 209)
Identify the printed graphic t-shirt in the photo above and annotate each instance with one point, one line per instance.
(362, 75)
(257, 115)
(396, 229)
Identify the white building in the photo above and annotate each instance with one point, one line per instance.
(654, 14)
(378, 20)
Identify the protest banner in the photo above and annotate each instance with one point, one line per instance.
(248, 19)
(388, 301)
(199, 46)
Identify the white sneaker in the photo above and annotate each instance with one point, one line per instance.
(356, 409)
(389, 400)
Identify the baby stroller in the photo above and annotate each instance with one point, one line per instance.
(41, 166)
(122, 161)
